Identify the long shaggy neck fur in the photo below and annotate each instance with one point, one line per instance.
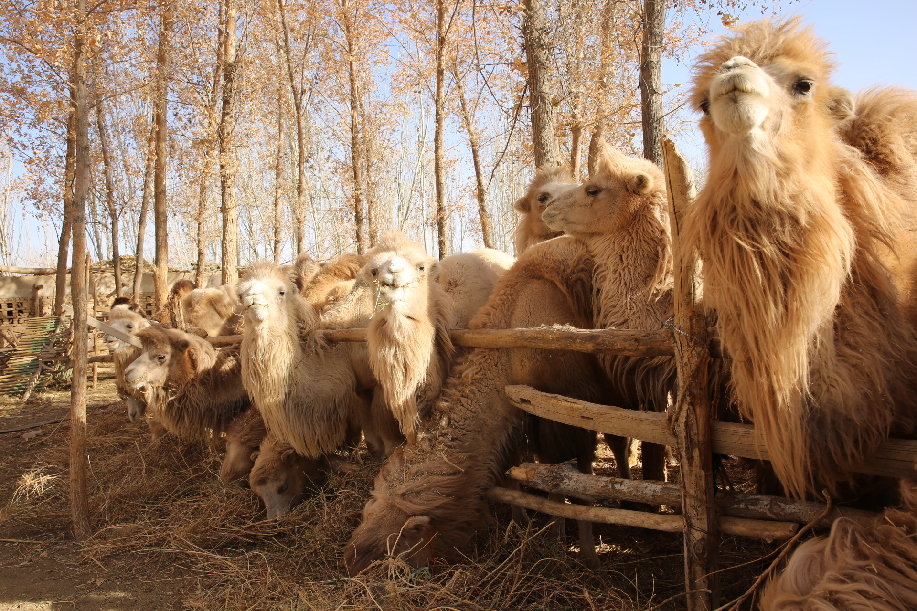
(790, 229)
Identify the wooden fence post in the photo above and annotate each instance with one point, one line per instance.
(691, 413)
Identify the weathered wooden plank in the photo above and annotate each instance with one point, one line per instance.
(741, 527)
(567, 480)
(894, 458)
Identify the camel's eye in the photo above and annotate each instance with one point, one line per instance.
(705, 106)
(421, 267)
(161, 358)
(282, 292)
(375, 272)
(543, 197)
(593, 191)
(130, 326)
(283, 488)
(803, 87)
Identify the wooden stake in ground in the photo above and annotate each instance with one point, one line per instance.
(691, 415)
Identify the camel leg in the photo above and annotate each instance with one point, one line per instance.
(620, 447)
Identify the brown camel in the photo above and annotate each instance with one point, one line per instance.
(429, 498)
(243, 436)
(330, 282)
(192, 390)
(805, 252)
(547, 184)
(283, 479)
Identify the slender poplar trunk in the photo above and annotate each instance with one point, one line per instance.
(60, 285)
(160, 110)
(230, 211)
(537, 51)
(651, 78)
(109, 194)
(474, 144)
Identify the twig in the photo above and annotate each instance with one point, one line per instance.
(26, 427)
(787, 548)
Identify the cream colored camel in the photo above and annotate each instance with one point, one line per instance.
(128, 321)
(805, 252)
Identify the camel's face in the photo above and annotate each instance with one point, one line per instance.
(263, 296)
(606, 202)
(127, 321)
(541, 195)
(388, 531)
(152, 368)
(766, 84)
(401, 275)
(284, 479)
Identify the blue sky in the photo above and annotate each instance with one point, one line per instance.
(874, 43)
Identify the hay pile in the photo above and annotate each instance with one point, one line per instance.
(161, 504)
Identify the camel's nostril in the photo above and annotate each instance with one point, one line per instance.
(736, 62)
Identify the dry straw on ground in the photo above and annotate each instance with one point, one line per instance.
(157, 505)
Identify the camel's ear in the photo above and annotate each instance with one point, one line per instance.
(522, 205)
(840, 104)
(416, 525)
(640, 183)
(182, 345)
(288, 456)
(254, 456)
(596, 148)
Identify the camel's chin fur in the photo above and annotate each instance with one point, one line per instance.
(257, 313)
(738, 113)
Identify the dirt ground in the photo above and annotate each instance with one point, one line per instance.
(169, 535)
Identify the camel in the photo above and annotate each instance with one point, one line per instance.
(214, 310)
(283, 479)
(805, 252)
(193, 390)
(304, 390)
(429, 498)
(621, 214)
(243, 436)
(857, 565)
(330, 281)
(468, 278)
(128, 321)
(178, 314)
(547, 184)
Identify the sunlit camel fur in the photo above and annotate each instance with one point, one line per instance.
(468, 279)
(429, 498)
(805, 261)
(331, 281)
(545, 186)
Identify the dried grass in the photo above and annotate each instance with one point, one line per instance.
(160, 505)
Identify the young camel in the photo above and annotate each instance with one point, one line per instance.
(807, 253)
(429, 498)
(621, 215)
(547, 184)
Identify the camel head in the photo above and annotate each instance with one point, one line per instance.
(266, 292)
(620, 188)
(127, 321)
(283, 479)
(767, 85)
(237, 462)
(169, 357)
(387, 530)
(400, 270)
(549, 182)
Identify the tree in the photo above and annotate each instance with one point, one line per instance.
(109, 193)
(537, 52)
(651, 78)
(228, 163)
(160, 110)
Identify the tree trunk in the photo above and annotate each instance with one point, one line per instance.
(229, 209)
(60, 285)
(109, 194)
(474, 144)
(651, 78)
(296, 92)
(356, 144)
(439, 171)
(278, 179)
(79, 504)
(144, 208)
(537, 52)
(160, 110)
